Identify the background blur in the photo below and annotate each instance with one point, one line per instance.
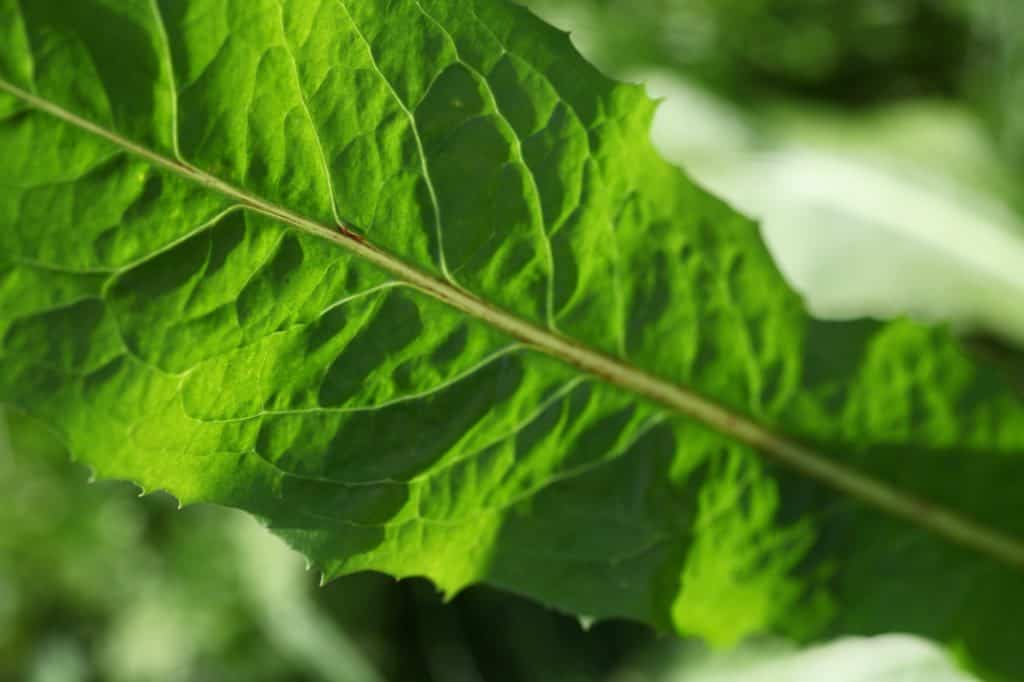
(881, 144)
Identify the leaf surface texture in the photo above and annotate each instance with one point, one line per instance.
(178, 299)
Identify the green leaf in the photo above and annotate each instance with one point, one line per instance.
(407, 281)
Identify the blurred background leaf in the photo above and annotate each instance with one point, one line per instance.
(882, 145)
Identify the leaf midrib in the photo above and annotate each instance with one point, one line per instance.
(940, 520)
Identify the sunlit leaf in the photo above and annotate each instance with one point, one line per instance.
(407, 281)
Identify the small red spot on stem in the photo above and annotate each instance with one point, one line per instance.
(351, 234)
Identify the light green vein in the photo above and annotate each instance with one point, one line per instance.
(517, 148)
(416, 137)
(309, 116)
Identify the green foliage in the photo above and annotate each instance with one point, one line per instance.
(848, 55)
(98, 584)
(852, 52)
(491, 380)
